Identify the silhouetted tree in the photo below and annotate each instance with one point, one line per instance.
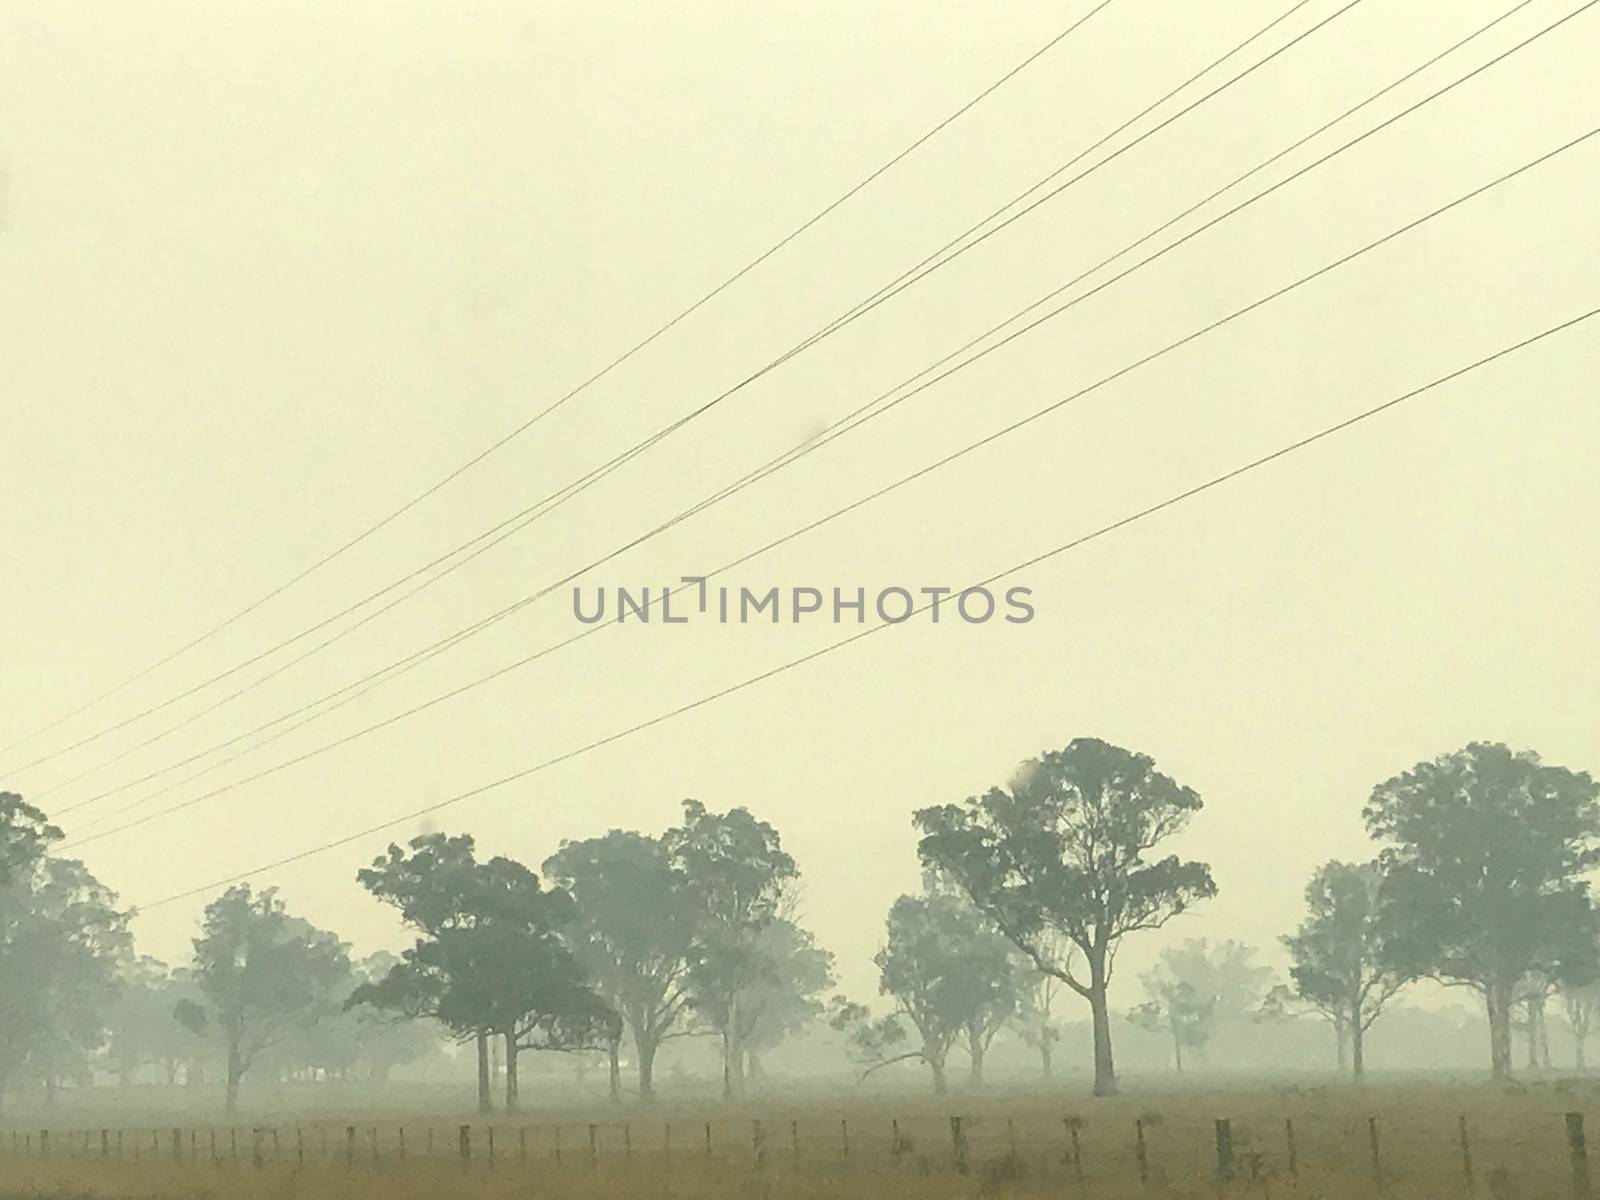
(1343, 967)
(1484, 872)
(1065, 849)
(494, 958)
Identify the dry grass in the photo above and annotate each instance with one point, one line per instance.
(1015, 1145)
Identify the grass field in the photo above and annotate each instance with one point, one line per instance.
(1386, 1140)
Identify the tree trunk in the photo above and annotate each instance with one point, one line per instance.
(756, 1075)
(936, 1065)
(1497, 1000)
(1579, 1036)
(235, 1074)
(1358, 1064)
(1177, 1050)
(485, 1098)
(614, 1054)
(1046, 1052)
(732, 1062)
(975, 1049)
(1544, 1038)
(1341, 1034)
(645, 1047)
(511, 1071)
(1105, 1071)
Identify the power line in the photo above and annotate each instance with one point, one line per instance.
(392, 670)
(367, 683)
(1103, 531)
(903, 481)
(494, 447)
(518, 521)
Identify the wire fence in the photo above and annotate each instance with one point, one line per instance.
(1546, 1150)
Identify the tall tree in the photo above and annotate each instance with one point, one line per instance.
(1343, 964)
(265, 975)
(494, 959)
(785, 995)
(738, 879)
(635, 935)
(1484, 872)
(1196, 986)
(1066, 849)
(62, 941)
(951, 975)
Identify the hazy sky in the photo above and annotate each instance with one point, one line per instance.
(268, 270)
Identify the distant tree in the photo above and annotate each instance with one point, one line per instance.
(1580, 1002)
(1343, 966)
(635, 936)
(62, 940)
(1484, 873)
(738, 880)
(264, 974)
(951, 975)
(1195, 986)
(142, 1028)
(785, 995)
(1036, 1022)
(1065, 850)
(494, 959)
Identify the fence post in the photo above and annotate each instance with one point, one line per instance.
(895, 1148)
(233, 1142)
(1466, 1152)
(105, 1142)
(256, 1159)
(558, 1143)
(844, 1137)
(491, 1147)
(1372, 1139)
(1579, 1151)
(594, 1146)
(1140, 1153)
(627, 1139)
(758, 1141)
(1294, 1157)
(349, 1145)
(958, 1144)
(194, 1141)
(177, 1145)
(44, 1143)
(465, 1142)
(1224, 1148)
(794, 1140)
(708, 1139)
(299, 1147)
(1072, 1124)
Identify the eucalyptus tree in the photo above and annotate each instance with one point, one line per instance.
(1068, 849)
(1485, 858)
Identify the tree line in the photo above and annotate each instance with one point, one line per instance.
(1479, 880)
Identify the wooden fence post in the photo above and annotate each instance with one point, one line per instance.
(1466, 1152)
(1073, 1124)
(105, 1143)
(1294, 1156)
(401, 1131)
(44, 1143)
(594, 1146)
(958, 1145)
(256, 1158)
(1140, 1153)
(1372, 1139)
(1224, 1148)
(844, 1137)
(794, 1140)
(758, 1142)
(177, 1145)
(491, 1147)
(372, 1138)
(349, 1145)
(1579, 1152)
(465, 1144)
(558, 1143)
(708, 1139)
(299, 1147)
